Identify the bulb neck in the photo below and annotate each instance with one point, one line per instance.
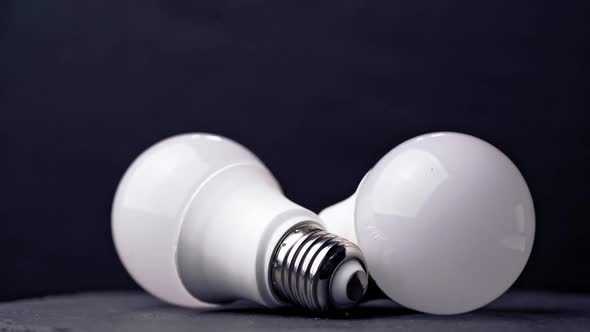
(317, 270)
(229, 232)
(238, 227)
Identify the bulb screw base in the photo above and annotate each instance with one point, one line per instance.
(317, 270)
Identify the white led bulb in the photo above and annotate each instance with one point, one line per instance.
(198, 218)
(445, 220)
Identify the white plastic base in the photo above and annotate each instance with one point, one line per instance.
(340, 285)
(339, 219)
(229, 233)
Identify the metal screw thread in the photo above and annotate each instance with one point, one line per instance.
(303, 266)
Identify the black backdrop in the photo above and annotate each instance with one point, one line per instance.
(318, 89)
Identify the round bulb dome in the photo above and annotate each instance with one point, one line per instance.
(150, 204)
(446, 223)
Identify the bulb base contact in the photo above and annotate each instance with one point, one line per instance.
(317, 270)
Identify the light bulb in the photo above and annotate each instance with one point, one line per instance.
(198, 218)
(446, 223)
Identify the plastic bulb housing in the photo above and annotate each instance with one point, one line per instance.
(198, 219)
(445, 220)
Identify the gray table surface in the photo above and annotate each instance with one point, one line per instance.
(136, 311)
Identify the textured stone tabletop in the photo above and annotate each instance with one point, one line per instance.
(136, 311)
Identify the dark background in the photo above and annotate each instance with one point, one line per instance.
(320, 90)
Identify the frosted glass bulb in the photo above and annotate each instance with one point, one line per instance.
(445, 220)
(198, 218)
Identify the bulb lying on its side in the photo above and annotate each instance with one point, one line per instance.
(198, 217)
(445, 221)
